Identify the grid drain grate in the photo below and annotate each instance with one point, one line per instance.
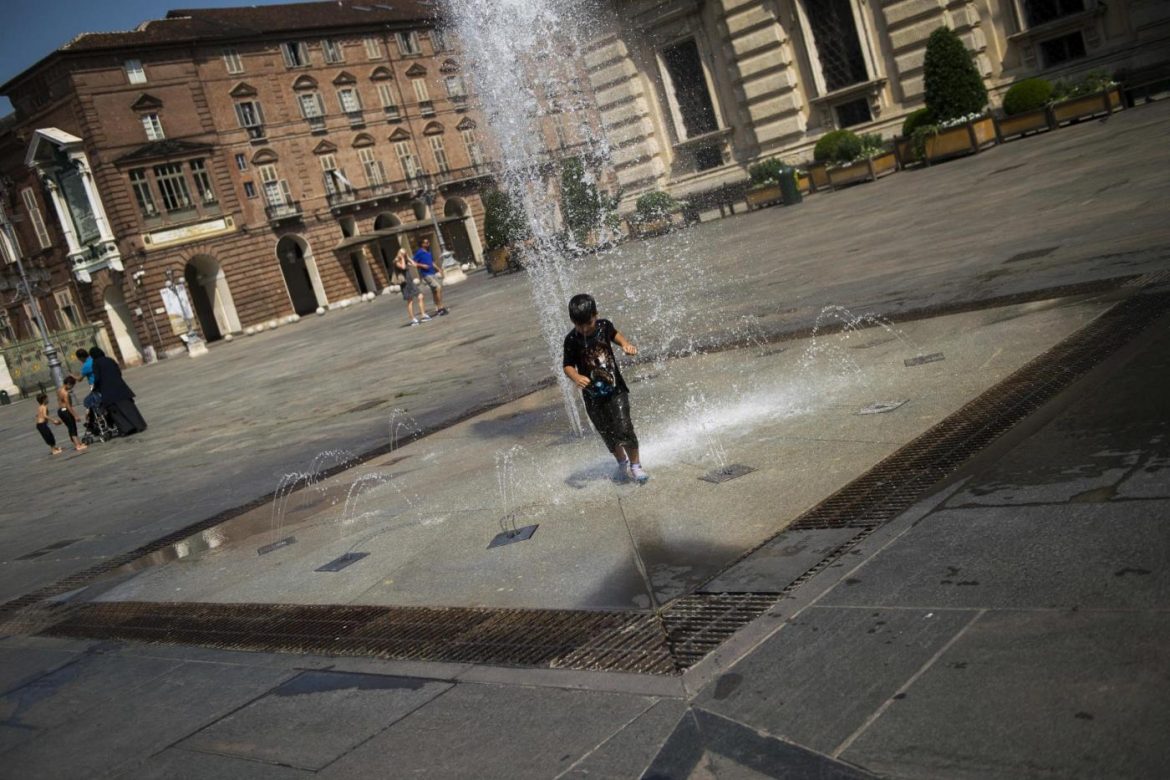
(674, 639)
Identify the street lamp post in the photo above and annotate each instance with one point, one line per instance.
(25, 287)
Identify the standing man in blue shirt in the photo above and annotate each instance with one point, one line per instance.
(430, 274)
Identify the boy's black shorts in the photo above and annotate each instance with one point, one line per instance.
(611, 418)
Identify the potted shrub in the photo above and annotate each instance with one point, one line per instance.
(653, 213)
(833, 147)
(765, 187)
(1025, 108)
(1096, 94)
(903, 145)
(871, 161)
(503, 226)
(956, 98)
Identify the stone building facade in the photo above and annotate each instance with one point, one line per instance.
(692, 92)
(274, 158)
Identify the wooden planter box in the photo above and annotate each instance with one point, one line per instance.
(904, 149)
(759, 197)
(865, 170)
(653, 227)
(962, 140)
(803, 183)
(497, 260)
(819, 177)
(1027, 122)
(1086, 106)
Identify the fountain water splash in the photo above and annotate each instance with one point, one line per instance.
(359, 486)
(327, 461)
(851, 324)
(700, 411)
(285, 487)
(403, 427)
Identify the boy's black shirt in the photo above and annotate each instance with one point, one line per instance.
(593, 357)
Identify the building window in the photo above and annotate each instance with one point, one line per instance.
(134, 72)
(347, 97)
(855, 112)
(249, 190)
(406, 159)
(439, 39)
(373, 48)
(440, 153)
(560, 131)
(142, 194)
(276, 191)
(688, 81)
(241, 162)
(232, 61)
(474, 151)
(251, 118)
(386, 95)
(203, 182)
(154, 130)
(1038, 12)
(311, 105)
(834, 31)
(332, 50)
(456, 90)
(335, 181)
(34, 214)
(172, 186)
(372, 167)
(7, 333)
(1066, 48)
(296, 54)
(68, 315)
(420, 90)
(408, 43)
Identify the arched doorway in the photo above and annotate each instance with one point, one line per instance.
(211, 298)
(362, 275)
(463, 236)
(122, 325)
(387, 247)
(300, 275)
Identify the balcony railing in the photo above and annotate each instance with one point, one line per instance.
(256, 132)
(278, 212)
(356, 118)
(469, 173)
(316, 124)
(426, 108)
(372, 192)
(392, 113)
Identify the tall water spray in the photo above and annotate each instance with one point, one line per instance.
(522, 56)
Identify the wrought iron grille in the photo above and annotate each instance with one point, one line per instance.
(838, 47)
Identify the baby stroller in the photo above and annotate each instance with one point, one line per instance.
(98, 426)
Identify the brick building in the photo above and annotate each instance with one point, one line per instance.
(275, 158)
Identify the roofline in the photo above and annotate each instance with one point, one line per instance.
(62, 52)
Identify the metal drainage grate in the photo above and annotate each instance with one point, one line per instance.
(675, 638)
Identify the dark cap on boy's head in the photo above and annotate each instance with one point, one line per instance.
(582, 308)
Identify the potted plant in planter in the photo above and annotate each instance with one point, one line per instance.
(1025, 108)
(765, 189)
(503, 226)
(1096, 94)
(956, 98)
(834, 148)
(871, 161)
(653, 213)
(903, 144)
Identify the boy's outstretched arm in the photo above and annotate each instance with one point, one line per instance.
(624, 343)
(575, 377)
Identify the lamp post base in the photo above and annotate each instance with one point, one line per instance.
(196, 347)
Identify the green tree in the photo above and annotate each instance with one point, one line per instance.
(503, 223)
(953, 85)
(580, 201)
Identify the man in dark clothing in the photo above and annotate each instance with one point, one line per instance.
(431, 275)
(117, 397)
(590, 364)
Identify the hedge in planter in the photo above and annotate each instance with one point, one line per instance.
(653, 212)
(951, 81)
(1026, 108)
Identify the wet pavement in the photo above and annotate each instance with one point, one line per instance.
(1011, 623)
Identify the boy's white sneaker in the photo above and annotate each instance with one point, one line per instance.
(637, 474)
(425, 317)
(414, 322)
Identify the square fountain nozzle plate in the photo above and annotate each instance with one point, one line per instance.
(881, 407)
(734, 471)
(276, 545)
(338, 564)
(933, 357)
(511, 537)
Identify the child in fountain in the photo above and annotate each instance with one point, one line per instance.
(590, 364)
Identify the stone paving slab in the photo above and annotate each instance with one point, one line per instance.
(632, 749)
(315, 718)
(491, 731)
(818, 678)
(1087, 556)
(1025, 693)
(178, 764)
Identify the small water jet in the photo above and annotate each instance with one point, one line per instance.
(506, 483)
(359, 486)
(284, 489)
(700, 411)
(403, 428)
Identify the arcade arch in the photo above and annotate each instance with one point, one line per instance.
(300, 274)
(211, 297)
